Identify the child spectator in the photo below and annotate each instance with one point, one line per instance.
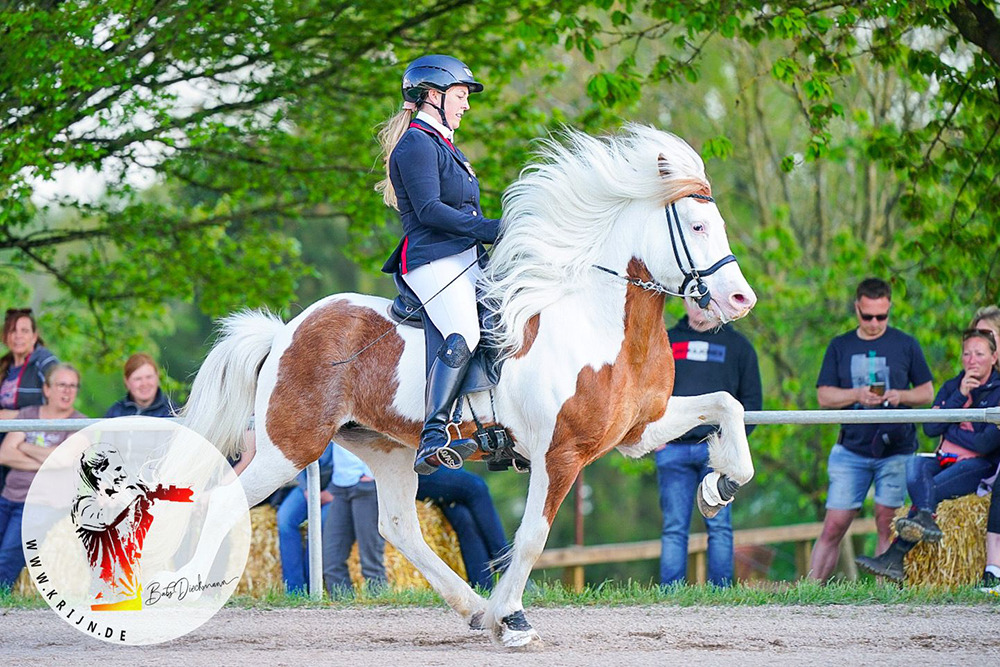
(24, 453)
(143, 394)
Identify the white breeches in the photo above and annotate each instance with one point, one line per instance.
(454, 310)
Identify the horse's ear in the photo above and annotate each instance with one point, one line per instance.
(664, 166)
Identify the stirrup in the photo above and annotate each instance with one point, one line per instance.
(451, 455)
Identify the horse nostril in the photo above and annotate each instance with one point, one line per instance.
(740, 300)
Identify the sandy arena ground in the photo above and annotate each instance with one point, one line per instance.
(629, 636)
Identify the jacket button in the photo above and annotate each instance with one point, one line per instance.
(470, 179)
(474, 213)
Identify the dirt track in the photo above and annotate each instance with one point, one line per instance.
(631, 636)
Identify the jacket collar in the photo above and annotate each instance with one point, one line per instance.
(159, 401)
(428, 119)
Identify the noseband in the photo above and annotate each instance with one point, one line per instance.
(701, 294)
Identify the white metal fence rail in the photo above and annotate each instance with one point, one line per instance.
(804, 417)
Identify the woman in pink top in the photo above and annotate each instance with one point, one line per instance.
(966, 454)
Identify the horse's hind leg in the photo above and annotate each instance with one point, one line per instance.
(396, 483)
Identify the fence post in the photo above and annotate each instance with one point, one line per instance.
(803, 557)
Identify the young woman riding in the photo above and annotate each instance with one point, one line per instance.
(431, 184)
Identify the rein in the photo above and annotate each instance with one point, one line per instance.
(701, 294)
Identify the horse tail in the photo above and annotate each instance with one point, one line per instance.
(222, 395)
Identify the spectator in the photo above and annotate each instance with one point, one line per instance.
(291, 513)
(991, 575)
(465, 501)
(22, 369)
(143, 394)
(707, 359)
(962, 459)
(353, 515)
(24, 452)
(871, 366)
(987, 318)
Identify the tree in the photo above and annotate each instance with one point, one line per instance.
(859, 139)
(249, 115)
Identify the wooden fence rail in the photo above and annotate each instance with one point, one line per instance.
(575, 558)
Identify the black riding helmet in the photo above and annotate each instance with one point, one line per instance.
(439, 73)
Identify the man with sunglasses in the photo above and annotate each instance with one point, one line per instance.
(871, 366)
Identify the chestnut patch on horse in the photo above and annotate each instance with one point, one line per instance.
(613, 405)
(311, 397)
(530, 333)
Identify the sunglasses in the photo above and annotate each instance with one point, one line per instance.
(18, 311)
(881, 317)
(969, 333)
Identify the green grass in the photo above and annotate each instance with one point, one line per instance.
(626, 594)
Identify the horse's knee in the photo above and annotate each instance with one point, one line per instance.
(532, 540)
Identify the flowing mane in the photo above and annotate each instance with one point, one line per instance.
(560, 212)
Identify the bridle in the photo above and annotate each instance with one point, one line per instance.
(701, 294)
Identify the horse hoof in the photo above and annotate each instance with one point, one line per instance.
(707, 511)
(476, 621)
(515, 632)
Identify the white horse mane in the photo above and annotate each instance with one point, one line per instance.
(560, 212)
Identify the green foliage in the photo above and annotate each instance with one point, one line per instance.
(630, 593)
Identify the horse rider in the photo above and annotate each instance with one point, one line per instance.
(432, 185)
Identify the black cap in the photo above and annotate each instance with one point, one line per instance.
(439, 73)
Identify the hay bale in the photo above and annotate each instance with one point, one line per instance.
(960, 557)
(263, 571)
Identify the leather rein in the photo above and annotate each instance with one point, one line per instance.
(701, 294)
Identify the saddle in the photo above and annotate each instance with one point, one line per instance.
(483, 374)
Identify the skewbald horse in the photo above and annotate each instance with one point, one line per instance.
(588, 366)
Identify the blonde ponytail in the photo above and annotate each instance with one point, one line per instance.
(389, 135)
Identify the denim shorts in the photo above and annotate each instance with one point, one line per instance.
(851, 476)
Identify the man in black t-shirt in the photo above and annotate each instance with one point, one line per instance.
(872, 366)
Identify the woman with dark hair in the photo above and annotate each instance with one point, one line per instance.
(432, 185)
(967, 453)
(22, 369)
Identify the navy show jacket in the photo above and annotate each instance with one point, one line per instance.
(438, 198)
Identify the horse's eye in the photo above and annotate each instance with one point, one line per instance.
(699, 227)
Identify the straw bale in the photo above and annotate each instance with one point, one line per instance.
(959, 558)
(263, 571)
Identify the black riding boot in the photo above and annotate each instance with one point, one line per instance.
(443, 382)
(889, 564)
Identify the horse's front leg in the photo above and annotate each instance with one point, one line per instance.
(550, 481)
(729, 453)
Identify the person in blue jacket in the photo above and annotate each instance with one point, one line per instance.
(143, 397)
(441, 255)
(967, 453)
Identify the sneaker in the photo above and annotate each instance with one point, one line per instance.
(919, 527)
(990, 584)
(883, 566)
